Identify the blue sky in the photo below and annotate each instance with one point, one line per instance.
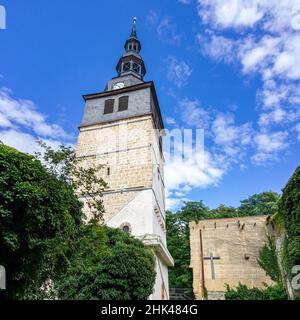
(231, 67)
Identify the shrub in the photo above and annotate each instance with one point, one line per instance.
(107, 264)
(242, 292)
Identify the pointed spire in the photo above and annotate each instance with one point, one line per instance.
(131, 61)
(133, 31)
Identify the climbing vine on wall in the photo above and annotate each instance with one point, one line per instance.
(268, 260)
(289, 211)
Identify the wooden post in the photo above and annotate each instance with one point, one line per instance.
(202, 264)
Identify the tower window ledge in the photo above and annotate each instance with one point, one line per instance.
(154, 241)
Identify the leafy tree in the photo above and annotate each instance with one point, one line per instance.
(289, 211)
(180, 276)
(107, 264)
(223, 211)
(47, 249)
(85, 181)
(193, 211)
(265, 203)
(38, 214)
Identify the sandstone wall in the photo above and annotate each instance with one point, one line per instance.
(236, 241)
(124, 148)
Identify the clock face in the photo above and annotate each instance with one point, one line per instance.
(118, 85)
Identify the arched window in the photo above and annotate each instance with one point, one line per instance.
(126, 227)
(109, 106)
(123, 103)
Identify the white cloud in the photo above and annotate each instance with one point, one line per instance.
(268, 146)
(190, 167)
(263, 158)
(23, 113)
(280, 103)
(273, 15)
(297, 129)
(273, 45)
(170, 121)
(152, 17)
(172, 203)
(287, 62)
(277, 115)
(167, 31)
(254, 55)
(4, 122)
(265, 41)
(21, 125)
(25, 142)
(277, 54)
(197, 171)
(233, 139)
(175, 200)
(229, 13)
(262, 37)
(193, 115)
(270, 142)
(178, 71)
(216, 47)
(205, 169)
(165, 28)
(185, 1)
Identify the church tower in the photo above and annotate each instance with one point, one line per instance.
(121, 130)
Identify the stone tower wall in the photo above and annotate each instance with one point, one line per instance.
(124, 148)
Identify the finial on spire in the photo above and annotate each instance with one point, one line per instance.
(133, 31)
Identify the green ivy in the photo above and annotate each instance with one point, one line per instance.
(289, 210)
(242, 292)
(268, 260)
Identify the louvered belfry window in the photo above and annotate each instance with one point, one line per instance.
(109, 106)
(123, 103)
(126, 66)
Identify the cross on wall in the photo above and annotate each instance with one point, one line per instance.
(212, 265)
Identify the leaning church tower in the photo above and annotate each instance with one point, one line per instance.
(121, 130)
